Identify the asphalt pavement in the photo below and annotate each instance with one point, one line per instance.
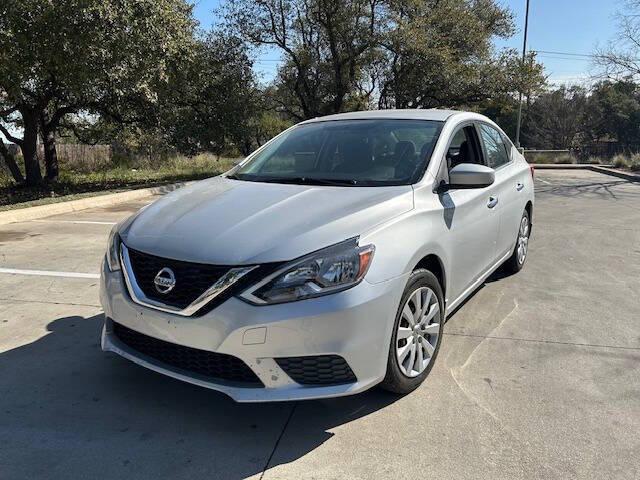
(538, 375)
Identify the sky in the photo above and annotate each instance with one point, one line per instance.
(567, 26)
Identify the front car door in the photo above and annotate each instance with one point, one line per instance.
(471, 215)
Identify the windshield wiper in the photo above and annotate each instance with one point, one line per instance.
(309, 181)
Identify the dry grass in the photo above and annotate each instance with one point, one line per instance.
(550, 157)
(77, 182)
(628, 162)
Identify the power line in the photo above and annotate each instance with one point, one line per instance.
(570, 59)
(571, 54)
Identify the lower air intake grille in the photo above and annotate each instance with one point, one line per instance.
(317, 370)
(216, 366)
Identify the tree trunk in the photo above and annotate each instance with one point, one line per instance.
(50, 153)
(10, 161)
(30, 147)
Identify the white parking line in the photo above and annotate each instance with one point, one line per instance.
(48, 273)
(75, 221)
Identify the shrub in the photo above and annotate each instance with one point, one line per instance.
(620, 161)
(542, 156)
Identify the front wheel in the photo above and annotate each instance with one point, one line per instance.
(417, 333)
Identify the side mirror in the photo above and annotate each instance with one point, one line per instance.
(471, 175)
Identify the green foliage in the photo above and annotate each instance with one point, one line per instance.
(69, 56)
(260, 129)
(441, 54)
(77, 183)
(211, 98)
(613, 112)
(349, 55)
(555, 119)
(607, 115)
(503, 110)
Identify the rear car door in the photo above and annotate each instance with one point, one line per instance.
(509, 184)
(471, 216)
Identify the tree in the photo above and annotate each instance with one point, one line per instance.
(211, 98)
(346, 55)
(555, 118)
(441, 54)
(10, 162)
(503, 110)
(325, 44)
(613, 112)
(621, 58)
(79, 56)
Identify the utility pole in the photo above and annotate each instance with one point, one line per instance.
(524, 54)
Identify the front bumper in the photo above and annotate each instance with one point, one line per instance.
(355, 324)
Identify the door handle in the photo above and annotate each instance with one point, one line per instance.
(493, 201)
(519, 186)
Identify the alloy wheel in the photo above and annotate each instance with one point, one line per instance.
(418, 331)
(523, 239)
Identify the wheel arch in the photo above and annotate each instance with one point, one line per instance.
(434, 264)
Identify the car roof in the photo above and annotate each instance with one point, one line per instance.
(407, 114)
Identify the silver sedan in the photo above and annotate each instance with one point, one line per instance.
(326, 262)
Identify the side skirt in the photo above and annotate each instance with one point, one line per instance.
(471, 288)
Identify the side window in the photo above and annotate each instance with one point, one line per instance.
(463, 148)
(494, 147)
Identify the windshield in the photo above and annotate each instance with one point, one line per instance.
(346, 152)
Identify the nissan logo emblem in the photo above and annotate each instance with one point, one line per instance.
(165, 280)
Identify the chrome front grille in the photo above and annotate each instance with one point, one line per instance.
(198, 287)
(192, 279)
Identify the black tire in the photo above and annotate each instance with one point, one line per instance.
(513, 264)
(395, 380)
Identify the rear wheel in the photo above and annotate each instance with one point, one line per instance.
(417, 333)
(516, 261)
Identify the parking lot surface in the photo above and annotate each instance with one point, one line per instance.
(538, 375)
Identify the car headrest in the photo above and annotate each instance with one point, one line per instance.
(356, 155)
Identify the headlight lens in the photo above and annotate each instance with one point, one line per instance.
(113, 250)
(330, 270)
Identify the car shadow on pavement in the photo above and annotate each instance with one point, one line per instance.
(606, 189)
(69, 410)
(500, 274)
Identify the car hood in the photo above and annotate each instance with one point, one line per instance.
(232, 222)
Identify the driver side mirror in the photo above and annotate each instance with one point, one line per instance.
(471, 175)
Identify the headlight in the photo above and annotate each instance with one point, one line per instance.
(326, 271)
(113, 250)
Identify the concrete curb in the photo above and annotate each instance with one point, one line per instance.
(605, 169)
(634, 177)
(33, 213)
